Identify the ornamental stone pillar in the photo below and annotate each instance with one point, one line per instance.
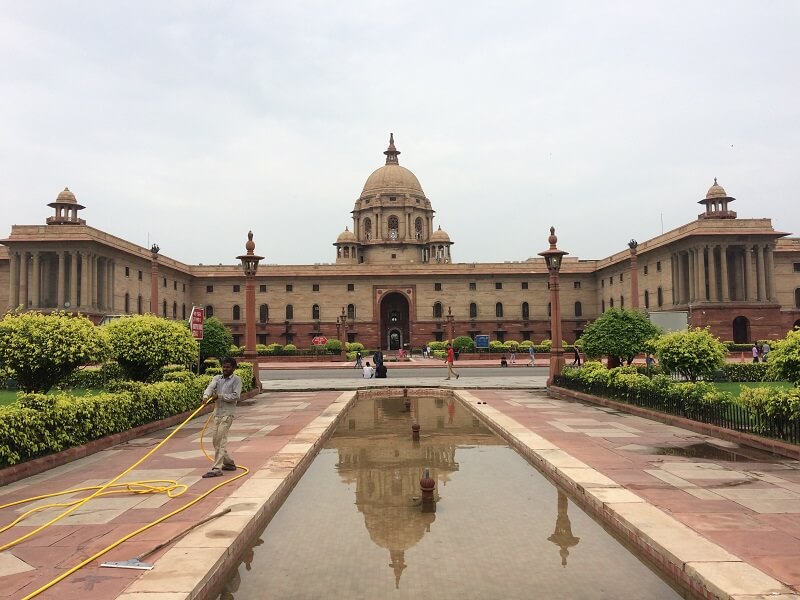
(713, 296)
(749, 276)
(701, 274)
(691, 279)
(760, 275)
(83, 298)
(36, 277)
(61, 277)
(770, 273)
(73, 280)
(23, 279)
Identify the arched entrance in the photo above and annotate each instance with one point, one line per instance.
(394, 326)
(741, 330)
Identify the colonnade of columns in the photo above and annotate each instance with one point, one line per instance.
(51, 279)
(723, 272)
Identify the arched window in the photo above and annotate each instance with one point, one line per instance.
(437, 310)
(498, 309)
(418, 228)
(263, 313)
(578, 309)
(526, 311)
(164, 309)
(646, 299)
(351, 312)
(394, 228)
(139, 305)
(473, 310)
(289, 311)
(315, 312)
(660, 295)
(174, 310)
(127, 302)
(237, 312)
(368, 228)
(209, 311)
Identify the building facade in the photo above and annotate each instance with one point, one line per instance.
(395, 282)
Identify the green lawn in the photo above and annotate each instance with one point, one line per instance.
(9, 397)
(735, 387)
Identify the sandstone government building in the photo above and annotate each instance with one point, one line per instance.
(397, 280)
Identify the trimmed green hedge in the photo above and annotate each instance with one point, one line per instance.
(38, 425)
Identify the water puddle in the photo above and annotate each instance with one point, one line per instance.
(714, 452)
(355, 525)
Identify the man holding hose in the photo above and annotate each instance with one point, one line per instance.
(226, 390)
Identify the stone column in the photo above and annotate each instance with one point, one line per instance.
(691, 279)
(770, 272)
(36, 278)
(60, 299)
(701, 274)
(13, 280)
(83, 300)
(681, 294)
(672, 269)
(761, 280)
(713, 296)
(108, 301)
(723, 268)
(749, 276)
(73, 280)
(23, 279)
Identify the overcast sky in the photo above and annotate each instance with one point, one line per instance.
(188, 123)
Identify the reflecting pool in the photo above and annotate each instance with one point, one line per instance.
(355, 527)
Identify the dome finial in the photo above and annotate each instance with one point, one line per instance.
(392, 152)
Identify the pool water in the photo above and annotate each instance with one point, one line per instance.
(354, 526)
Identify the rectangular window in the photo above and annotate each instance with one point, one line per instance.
(128, 271)
(658, 266)
(140, 275)
(602, 283)
(165, 282)
(314, 287)
(796, 267)
(351, 287)
(526, 336)
(645, 269)
(621, 276)
(472, 286)
(236, 288)
(437, 287)
(524, 285)
(184, 287)
(288, 287)
(438, 335)
(498, 285)
(394, 255)
(209, 289)
(175, 285)
(611, 280)
(576, 285)
(262, 287)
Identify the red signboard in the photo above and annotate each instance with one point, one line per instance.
(196, 322)
(319, 340)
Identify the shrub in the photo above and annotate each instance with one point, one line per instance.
(746, 372)
(354, 347)
(545, 345)
(464, 343)
(784, 359)
(333, 346)
(434, 346)
(618, 333)
(143, 344)
(42, 350)
(524, 345)
(693, 354)
(289, 349)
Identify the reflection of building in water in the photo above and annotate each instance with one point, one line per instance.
(377, 454)
(562, 536)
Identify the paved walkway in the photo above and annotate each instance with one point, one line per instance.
(730, 521)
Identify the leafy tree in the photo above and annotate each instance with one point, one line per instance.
(618, 333)
(216, 340)
(42, 350)
(784, 359)
(693, 353)
(143, 344)
(464, 343)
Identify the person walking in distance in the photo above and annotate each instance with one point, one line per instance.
(577, 354)
(358, 360)
(226, 389)
(755, 352)
(532, 352)
(512, 356)
(451, 356)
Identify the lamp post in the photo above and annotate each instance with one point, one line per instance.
(552, 258)
(343, 319)
(634, 275)
(451, 326)
(250, 267)
(154, 250)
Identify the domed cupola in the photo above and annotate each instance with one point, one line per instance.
(716, 202)
(392, 218)
(440, 246)
(346, 247)
(66, 207)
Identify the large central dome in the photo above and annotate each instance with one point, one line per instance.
(391, 176)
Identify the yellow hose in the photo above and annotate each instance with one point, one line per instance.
(112, 487)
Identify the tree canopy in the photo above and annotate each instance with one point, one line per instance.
(618, 333)
(693, 353)
(216, 340)
(784, 359)
(142, 344)
(41, 350)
